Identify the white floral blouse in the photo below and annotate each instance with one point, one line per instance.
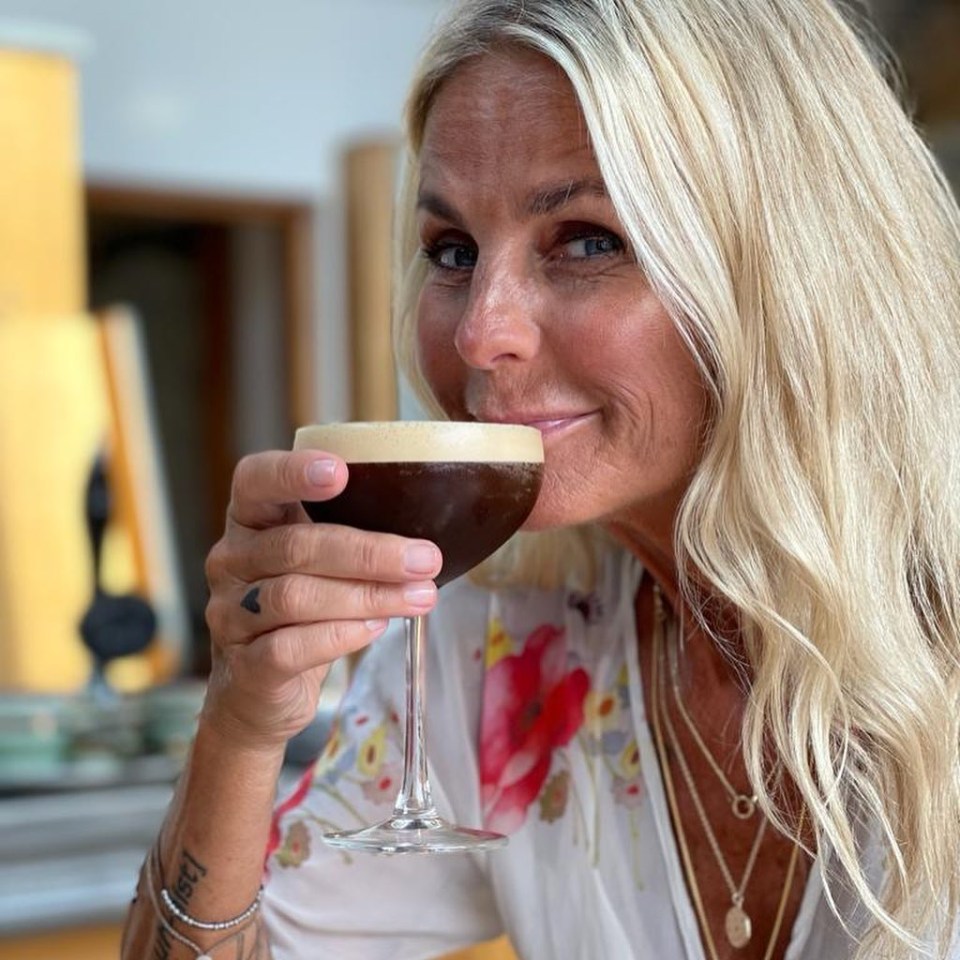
(537, 728)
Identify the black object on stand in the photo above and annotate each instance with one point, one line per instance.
(114, 625)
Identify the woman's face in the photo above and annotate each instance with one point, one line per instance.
(534, 311)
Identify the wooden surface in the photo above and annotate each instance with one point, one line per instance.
(494, 950)
(141, 503)
(370, 181)
(41, 227)
(88, 943)
(103, 943)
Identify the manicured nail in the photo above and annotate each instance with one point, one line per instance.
(321, 472)
(420, 594)
(421, 558)
(377, 626)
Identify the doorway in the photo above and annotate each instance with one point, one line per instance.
(222, 287)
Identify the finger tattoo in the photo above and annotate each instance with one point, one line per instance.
(251, 600)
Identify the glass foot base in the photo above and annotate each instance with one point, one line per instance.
(429, 834)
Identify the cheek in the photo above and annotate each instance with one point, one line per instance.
(439, 362)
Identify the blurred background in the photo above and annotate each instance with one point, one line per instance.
(194, 258)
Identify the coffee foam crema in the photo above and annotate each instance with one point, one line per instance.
(424, 441)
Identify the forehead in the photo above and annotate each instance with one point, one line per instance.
(501, 113)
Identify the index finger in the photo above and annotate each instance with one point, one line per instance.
(266, 484)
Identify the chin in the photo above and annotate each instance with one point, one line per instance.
(535, 524)
(552, 516)
(565, 500)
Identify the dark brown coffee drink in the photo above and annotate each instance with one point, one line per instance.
(467, 509)
(466, 486)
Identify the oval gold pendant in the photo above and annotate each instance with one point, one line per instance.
(737, 927)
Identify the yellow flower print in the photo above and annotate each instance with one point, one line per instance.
(499, 643)
(601, 711)
(629, 762)
(371, 752)
(331, 750)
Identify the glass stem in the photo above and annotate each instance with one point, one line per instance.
(414, 799)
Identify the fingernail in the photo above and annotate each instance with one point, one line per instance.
(421, 558)
(420, 595)
(376, 626)
(321, 472)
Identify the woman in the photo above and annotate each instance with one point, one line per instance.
(700, 246)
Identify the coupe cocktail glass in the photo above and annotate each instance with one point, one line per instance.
(465, 486)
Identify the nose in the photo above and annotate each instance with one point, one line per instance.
(499, 322)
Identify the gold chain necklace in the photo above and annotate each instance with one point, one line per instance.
(742, 806)
(734, 926)
(737, 924)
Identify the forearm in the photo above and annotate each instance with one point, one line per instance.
(209, 854)
(287, 599)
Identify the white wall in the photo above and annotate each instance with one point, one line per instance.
(253, 96)
(247, 94)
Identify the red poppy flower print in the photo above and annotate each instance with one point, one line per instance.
(531, 706)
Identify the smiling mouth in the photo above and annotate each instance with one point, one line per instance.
(556, 424)
(547, 425)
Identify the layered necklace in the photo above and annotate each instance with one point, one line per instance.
(742, 806)
(738, 926)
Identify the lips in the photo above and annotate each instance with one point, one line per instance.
(545, 421)
(552, 424)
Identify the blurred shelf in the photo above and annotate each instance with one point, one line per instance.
(71, 857)
(71, 777)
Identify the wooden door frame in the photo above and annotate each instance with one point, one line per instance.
(293, 216)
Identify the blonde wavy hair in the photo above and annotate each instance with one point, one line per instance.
(807, 247)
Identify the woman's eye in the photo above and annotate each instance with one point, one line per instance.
(600, 244)
(451, 256)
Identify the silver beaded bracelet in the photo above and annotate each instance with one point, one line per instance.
(201, 954)
(183, 917)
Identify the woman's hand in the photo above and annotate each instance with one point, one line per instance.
(288, 597)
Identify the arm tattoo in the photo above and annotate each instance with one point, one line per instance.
(162, 944)
(188, 876)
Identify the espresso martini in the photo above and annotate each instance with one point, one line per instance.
(465, 486)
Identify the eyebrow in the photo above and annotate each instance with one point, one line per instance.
(539, 203)
(550, 199)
